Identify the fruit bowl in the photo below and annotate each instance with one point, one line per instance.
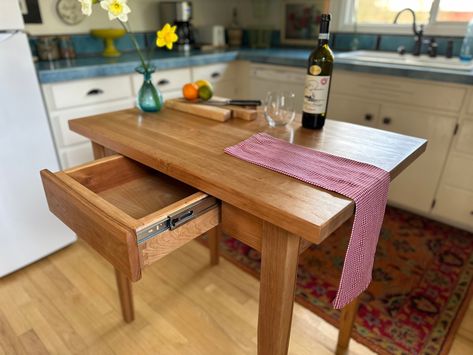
(109, 35)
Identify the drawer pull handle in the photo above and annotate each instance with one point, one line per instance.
(163, 82)
(368, 117)
(386, 120)
(94, 92)
(179, 219)
(215, 75)
(471, 212)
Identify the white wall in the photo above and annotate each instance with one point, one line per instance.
(145, 16)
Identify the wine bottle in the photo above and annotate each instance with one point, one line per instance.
(318, 79)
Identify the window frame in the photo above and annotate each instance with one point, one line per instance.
(347, 23)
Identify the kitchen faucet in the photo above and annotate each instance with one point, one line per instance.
(418, 32)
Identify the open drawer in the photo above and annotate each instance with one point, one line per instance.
(129, 213)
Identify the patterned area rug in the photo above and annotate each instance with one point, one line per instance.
(420, 290)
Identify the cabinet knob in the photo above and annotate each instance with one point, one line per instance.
(387, 120)
(163, 82)
(94, 92)
(368, 117)
(215, 75)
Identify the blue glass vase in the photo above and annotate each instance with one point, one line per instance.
(149, 97)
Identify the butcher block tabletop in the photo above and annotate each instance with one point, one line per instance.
(191, 149)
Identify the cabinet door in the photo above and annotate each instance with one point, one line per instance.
(64, 137)
(455, 205)
(226, 89)
(76, 155)
(415, 187)
(349, 109)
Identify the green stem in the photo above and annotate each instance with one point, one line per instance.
(135, 43)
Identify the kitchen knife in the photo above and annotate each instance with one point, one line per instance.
(226, 102)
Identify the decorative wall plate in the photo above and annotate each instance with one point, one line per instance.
(69, 11)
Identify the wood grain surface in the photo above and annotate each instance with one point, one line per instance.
(191, 150)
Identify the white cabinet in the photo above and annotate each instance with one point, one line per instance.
(81, 98)
(416, 186)
(353, 110)
(165, 80)
(223, 77)
(88, 92)
(406, 106)
(454, 200)
(266, 78)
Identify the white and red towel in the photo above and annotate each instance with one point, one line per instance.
(366, 184)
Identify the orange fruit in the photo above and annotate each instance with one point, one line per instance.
(190, 91)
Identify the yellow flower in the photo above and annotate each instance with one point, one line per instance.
(167, 36)
(116, 9)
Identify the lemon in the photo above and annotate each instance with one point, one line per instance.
(205, 92)
(200, 83)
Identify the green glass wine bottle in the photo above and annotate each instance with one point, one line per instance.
(318, 79)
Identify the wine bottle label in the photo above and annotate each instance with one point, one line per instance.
(316, 93)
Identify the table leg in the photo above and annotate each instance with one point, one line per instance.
(279, 256)
(214, 240)
(125, 293)
(346, 325)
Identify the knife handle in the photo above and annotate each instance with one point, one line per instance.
(245, 102)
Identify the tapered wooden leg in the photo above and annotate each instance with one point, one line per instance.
(125, 293)
(214, 240)
(346, 325)
(279, 256)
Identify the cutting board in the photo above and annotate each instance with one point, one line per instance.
(217, 113)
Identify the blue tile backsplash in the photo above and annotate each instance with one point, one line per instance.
(86, 45)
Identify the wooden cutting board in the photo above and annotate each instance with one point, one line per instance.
(217, 113)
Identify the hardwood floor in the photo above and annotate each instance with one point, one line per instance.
(67, 303)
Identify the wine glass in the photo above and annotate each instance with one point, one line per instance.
(279, 108)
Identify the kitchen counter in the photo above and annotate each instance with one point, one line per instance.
(88, 67)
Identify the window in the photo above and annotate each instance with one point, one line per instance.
(445, 17)
(384, 11)
(455, 11)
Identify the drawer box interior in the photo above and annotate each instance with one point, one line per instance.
(115, 202)
(130, 186)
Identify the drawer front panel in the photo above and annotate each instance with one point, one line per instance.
(455, 205)
(459, 172)
(156, 248)
(111, 240)
(407, 91)
(119, 207)
(166, 80)
(214, 72)
(91, 91)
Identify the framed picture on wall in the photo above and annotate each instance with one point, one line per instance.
(30, 11)
(301, 19)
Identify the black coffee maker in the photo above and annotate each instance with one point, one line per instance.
(179, 13)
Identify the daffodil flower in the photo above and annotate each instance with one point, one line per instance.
(116, 9)
(86, 7)
(167, 36)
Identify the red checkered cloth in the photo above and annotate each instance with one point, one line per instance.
(366, 184)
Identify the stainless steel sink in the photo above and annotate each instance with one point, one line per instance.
(408, 59)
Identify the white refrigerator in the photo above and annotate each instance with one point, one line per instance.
(28, 231)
